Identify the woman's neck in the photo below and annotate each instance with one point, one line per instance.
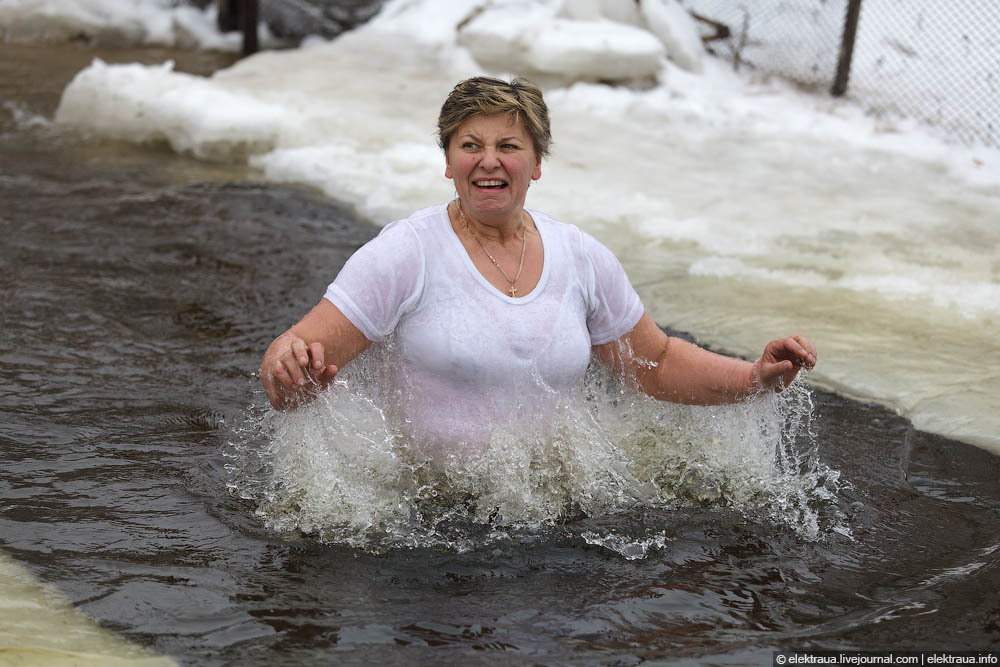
(499, 231)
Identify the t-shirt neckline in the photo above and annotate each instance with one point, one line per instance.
(490, 287)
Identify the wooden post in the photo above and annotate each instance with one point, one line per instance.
(846, 48)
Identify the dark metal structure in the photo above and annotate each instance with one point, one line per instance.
(242, 15)
(847, 47)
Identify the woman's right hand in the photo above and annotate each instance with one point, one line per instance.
(293, 370)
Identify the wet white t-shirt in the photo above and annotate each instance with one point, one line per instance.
(466, 356)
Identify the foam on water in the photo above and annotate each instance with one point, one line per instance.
(23, 119)
(345, 470)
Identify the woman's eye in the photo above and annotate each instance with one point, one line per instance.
(468, 144)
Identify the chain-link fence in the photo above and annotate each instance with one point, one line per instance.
(937, 62)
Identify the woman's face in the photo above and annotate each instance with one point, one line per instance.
(492, 161)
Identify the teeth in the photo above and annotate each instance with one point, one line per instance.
(489, 184)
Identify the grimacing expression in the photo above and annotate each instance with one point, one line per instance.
(492, 159)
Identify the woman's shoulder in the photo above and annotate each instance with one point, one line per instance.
(549, 226)
(577, 240)
(415, 227)
(427, 219)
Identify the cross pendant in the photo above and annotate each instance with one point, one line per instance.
(513, 291)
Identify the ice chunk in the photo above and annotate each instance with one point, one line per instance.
(530, 41)
(150, 104)
(615, 10)
(666, 19)
(675, 28)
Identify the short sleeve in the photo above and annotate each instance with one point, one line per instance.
(613, 306)
(381, 281)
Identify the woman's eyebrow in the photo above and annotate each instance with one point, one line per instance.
(477, 138)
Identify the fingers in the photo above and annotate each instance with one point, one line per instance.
(777, 375)
(318, 369)
(328, 374)
(783, 359)
(291, 369)
(316, 353)
(287, 362)
(300, 351)
(798, 349)
(804, 349)
(288, 373)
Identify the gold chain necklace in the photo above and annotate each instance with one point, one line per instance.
(524, 244)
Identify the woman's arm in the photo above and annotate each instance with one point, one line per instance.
(672, 369)
(308, 356)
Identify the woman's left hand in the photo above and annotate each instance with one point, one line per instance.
(782, 360)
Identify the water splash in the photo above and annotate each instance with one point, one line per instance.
(343, 469)
(630, 548)
(23, 118)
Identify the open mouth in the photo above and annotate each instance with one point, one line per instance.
(490, 184)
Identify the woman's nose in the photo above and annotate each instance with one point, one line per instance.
(491, 159)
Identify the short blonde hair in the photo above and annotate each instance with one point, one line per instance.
(520, 99)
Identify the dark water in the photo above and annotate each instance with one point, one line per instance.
(137, 291)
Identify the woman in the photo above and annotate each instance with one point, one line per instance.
(492, 309)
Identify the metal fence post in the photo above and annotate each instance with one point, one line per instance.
(228, 15)
(248, 20)
(846, 47)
